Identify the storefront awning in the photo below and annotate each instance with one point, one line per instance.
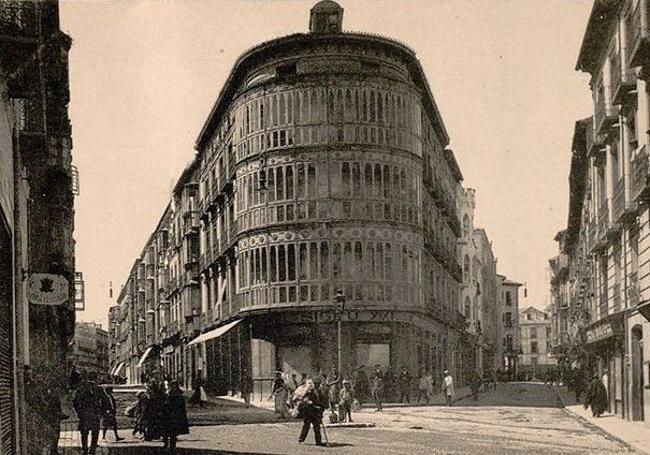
(214, 333)
(146, 354)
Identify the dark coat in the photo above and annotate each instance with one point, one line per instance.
(596, 396)
(89, 403)
(152, 416)
(312, 405)
(175, 421)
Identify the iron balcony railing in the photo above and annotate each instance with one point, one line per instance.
(618, 202)
(640, 179)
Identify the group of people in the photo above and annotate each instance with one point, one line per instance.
(160, 413)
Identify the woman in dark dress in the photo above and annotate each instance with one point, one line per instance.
(175, 422)
(596, 396)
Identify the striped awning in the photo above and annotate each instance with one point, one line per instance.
(214, 333)
(144, 356)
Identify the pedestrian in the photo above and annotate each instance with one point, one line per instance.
(596, 396)
(198, 396)
(89, 404)
(346, 397)
(378, 387)
(405, 385)
(475, 382)
(334, 386)
(109, 420)
(175, 417)
(246, 386)
(425, 387)
(310, 409)
(292, 383)
(75, 377)
(360, 384)
(153, 412)
(389, 384)
(280, 394)
(448, 387)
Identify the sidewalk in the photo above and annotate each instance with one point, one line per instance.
(634, 434)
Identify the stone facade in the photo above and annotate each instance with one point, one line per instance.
(600, 282)
(36, 219)
(323, 166)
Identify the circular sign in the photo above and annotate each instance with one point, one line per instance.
(47, 289)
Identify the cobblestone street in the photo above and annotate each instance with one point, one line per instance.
(517, 418)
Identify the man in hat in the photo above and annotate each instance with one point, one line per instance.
(311, 409)
(345, 402)
(405, 385)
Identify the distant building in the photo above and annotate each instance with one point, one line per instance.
(485, 273)
(90, 348)
(509, 350)
(536, 335)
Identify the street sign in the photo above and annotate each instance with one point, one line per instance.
(47, 289)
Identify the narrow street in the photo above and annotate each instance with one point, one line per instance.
(517, 418)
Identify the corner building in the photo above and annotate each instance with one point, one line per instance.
(323, 166)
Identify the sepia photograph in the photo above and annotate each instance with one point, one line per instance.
(268, 227)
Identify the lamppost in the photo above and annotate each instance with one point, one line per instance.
(340, 308)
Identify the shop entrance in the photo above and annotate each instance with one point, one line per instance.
(637, 373)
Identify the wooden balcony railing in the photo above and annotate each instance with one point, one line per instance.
(640, 177)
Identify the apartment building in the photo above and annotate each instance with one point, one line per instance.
(323, 170)
(536, 356)
(600, 284)
(90, 349)
(510, 347)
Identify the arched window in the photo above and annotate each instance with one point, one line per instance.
(466, 268)
(466, 226)
(468, 309)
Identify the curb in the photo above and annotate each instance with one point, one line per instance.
(630, 446)
(350, 425)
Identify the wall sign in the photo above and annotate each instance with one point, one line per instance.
(47, 289)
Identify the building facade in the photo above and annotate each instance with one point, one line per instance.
(510, 347)
(489, 310)
(601, 284)
(90, 349)
(535, 334)
(322, 167)
(36, 220)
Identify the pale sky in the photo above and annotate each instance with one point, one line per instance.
(144, 75)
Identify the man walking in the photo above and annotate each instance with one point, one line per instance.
(311, 409)
(378, 387)
(89, 404)
(448, 387)
(404, 385)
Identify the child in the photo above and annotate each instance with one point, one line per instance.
(345, 401)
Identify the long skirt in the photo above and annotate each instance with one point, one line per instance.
(281, 406)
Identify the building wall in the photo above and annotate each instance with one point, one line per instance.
(535, 334)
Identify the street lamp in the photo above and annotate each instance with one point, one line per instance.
(340, 308)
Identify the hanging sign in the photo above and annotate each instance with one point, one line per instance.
(47, 289)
